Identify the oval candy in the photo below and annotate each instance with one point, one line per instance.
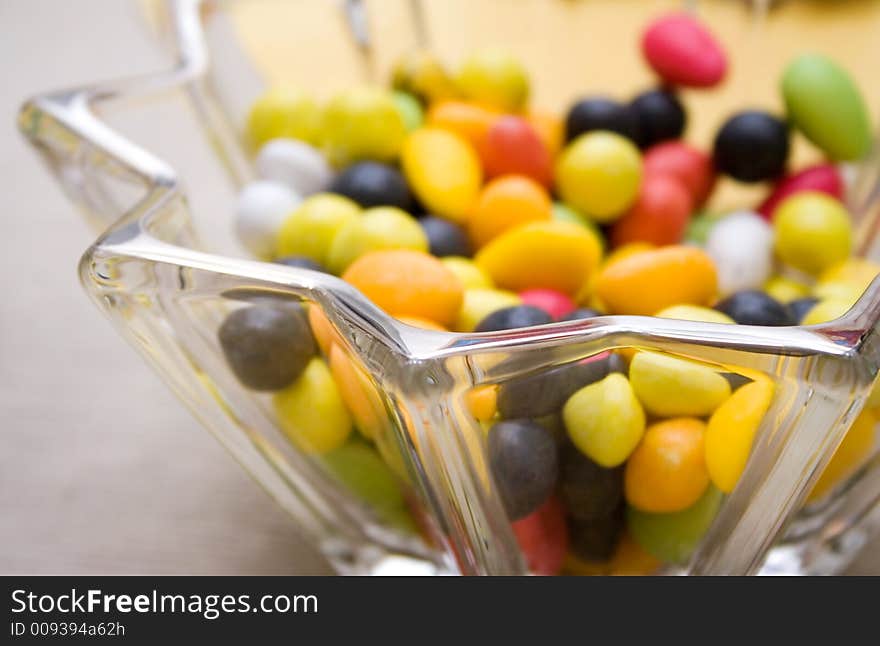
(683, 52)
(443, 171)
(823, 102)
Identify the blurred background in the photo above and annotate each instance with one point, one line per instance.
(101, 470)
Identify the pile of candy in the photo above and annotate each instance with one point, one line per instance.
(453, 206)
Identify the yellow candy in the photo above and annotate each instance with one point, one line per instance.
(672, 387)
(694, 313)
(874, 397)
(283, 112)
(856, 446)
(444, 172)
(827, 310)
(382, 227)
(731, 431)
(846, 280)
(553, 254)
(494, 78)
(359, 395)
(812, 231)
(627, 250)
(605, 420)
(309, 231)
(599, 173)
(859, 271)
(470, 275)
(785, 289)
(311, 411)
(423, 75)
(480, 303)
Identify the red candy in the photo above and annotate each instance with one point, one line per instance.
(543, 538)
(659, 216)
(683, 52)
(692, 167)
(556, 304)
(821, 177)
(514, 148)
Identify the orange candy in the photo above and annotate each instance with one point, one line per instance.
(408, 283)
(549, 129)
(467, 120)
(425, 324)
(322, 329)
(357, 393)
(505, 203)
(647, 282)
(667, 471)
(482, 401)
(629, 559)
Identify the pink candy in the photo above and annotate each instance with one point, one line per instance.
(821, 177)
(683, 52)
(556, 304)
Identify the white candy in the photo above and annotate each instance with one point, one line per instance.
(260, 211)
(295, 163)
(741, 245)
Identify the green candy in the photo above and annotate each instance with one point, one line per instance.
(700, 226)
(410, 110)
(381, 227)
(360, 470)
(823, 102)
(672, 538)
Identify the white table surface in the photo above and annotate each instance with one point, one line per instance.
(101, 470)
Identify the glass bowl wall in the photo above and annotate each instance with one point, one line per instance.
(417, 403)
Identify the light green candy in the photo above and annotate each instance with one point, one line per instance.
(360, 470)
(699, 227)
(410, 110)
(605, 420)
(382, 227)
(564, 213)
(362, 123)
(672, 538)
(823, 102)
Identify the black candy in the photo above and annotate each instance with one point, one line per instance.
(302, 262)
(546, 392)
(587, 490)
(510, 318)
(445, 238)
(601, 114)
(580, 314)
(266, 346)
(660, 116)
(736, 380)
(753, 307)
(523, 460)
(555, 426)
(595, 540)
(370, 184)
(800, 307)
(752, 147)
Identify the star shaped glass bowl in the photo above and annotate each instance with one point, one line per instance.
(411, 486)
